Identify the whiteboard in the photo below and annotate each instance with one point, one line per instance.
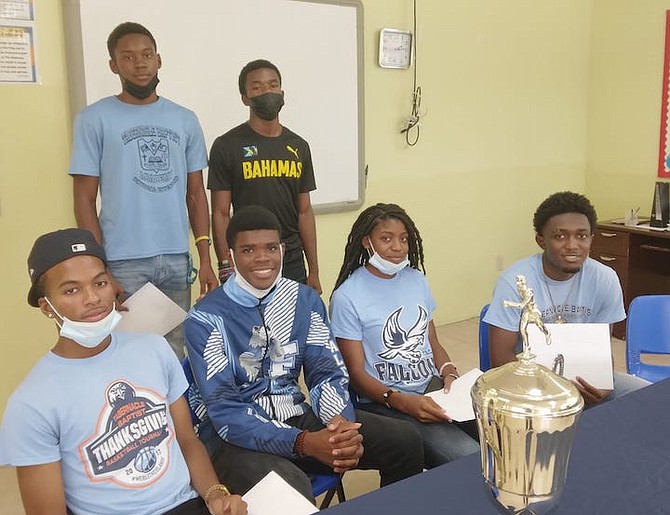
(317, 46)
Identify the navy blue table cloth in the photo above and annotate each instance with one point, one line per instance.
(620, 464)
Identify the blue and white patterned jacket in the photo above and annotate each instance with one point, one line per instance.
(246, 358)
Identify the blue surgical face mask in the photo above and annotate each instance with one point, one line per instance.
(87, 334)
(251, 289)
(383, 265)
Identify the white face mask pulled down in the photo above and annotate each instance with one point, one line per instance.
(248, 287)
(87, 334)
(383, 265)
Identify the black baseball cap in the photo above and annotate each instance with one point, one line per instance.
(53, 248)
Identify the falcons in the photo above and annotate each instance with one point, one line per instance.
(399, 342)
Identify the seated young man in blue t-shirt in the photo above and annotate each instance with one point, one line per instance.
(100, 424)
(568, 286)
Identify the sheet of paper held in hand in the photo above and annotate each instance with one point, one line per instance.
(150, 311)
(585, 349)
(458, 403)
(274, 496)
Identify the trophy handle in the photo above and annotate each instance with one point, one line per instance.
(559, 365)
(490, 430)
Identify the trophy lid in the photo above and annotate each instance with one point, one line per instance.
(526, 389)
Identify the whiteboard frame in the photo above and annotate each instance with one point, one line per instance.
(78, 100)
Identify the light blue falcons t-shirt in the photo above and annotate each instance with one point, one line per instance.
(142, 155)
(591, 296)
(391, 318)
(107, 420)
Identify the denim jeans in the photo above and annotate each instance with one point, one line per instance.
(442, 441)
(168, 273)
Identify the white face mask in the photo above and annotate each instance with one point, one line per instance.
(383, 265)
(248, 287)
(87, 334)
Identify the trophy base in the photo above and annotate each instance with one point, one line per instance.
(518, 504)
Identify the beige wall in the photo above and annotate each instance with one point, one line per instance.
(515, 107)
(627, 45)
(505, 107)
(35, 193)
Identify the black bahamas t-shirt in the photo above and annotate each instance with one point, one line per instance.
(270, 172)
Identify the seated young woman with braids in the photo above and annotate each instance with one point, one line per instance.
(381, 313)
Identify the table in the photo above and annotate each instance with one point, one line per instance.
(620, 465)
(639, 256)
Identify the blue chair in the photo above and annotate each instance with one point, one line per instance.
(195, 403)
(330, 484)
(484, 357)
(648, 331)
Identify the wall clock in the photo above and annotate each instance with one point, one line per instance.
(395, 48)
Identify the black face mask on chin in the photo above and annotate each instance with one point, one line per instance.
(140, 92)
(267, 105)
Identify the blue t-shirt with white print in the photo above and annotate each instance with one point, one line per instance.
(142, 155)
(592, 295)
(391, 317)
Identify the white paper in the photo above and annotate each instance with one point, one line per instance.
(648, 226)
(150, 311)
(586, 351)
(458, 403)
(274, 496)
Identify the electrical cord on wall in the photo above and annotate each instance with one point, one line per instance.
(412, 126)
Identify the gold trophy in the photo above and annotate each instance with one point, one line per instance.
(526, 417)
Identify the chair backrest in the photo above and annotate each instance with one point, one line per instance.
(648, 331)
(484, 358)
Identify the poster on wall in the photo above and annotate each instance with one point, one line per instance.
(17, 10)
(664, 145)
(17, 42)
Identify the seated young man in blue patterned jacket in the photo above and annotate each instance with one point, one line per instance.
(248, 341)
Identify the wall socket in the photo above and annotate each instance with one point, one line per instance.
(499, 262)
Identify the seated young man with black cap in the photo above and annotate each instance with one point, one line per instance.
(248, 342)
(100, 424)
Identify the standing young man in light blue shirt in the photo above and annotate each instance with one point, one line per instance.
(145, 154)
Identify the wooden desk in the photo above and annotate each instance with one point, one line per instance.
(640, 257)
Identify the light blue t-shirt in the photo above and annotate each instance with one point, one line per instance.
(141, 153)
(391, 318)
(107, 420)
(592, 295)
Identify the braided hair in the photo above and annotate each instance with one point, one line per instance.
(355, 255)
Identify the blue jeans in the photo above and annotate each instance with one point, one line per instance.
(442, 441)
(168, 273)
